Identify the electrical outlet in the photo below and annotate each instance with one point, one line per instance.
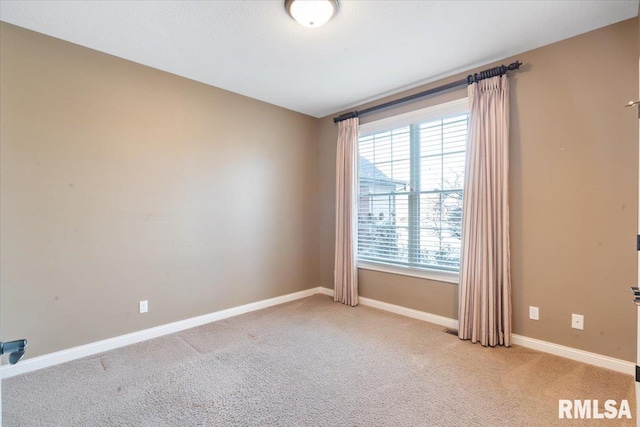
(534, 313)
(577, 321)
(144, 306)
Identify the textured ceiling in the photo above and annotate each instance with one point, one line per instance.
(369, 49)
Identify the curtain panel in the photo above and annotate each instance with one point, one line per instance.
(484, 310)
(345, 268)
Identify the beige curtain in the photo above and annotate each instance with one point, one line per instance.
(485, 278)
(346, 273)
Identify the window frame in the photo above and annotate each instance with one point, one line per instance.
(439, 111)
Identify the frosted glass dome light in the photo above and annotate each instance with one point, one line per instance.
(311, 13)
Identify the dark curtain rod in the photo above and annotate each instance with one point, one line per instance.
(471, 78)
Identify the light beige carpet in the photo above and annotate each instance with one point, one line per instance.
(310, 362)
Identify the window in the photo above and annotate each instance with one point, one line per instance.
(411, 178)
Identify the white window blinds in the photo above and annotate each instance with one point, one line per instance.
(411, 181)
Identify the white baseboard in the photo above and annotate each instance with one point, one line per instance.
(575, 354)
(74, 353)
(532, 343)
(403, 311)
(409, 312)
(325, 291)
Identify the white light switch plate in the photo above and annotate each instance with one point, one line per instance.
(144, 306)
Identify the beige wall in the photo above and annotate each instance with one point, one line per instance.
(121, 183)
(573, 195)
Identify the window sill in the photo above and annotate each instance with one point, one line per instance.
(423, 273)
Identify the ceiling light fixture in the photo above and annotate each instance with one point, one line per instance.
(311, 13)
